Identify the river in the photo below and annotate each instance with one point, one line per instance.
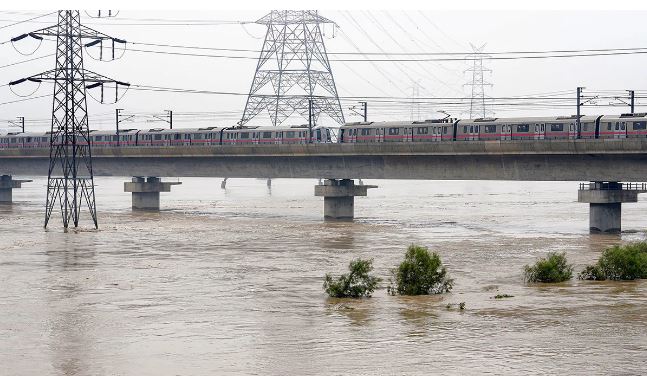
(229, 282)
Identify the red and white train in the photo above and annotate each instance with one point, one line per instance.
(490, 129)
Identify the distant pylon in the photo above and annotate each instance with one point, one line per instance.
(293, 69)
(70, 180)
(478, 108)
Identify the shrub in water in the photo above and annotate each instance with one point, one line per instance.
(592, 273)
(554, 268)
(356, 284)
(421, 273)
(626, 262)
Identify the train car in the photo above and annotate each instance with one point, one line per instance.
(623, 126)
(397, 131)
(12, 140)
(103, 138)
(275, 135)
(529, 128)
(28, 140)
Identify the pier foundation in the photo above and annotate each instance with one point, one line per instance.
(605, 203)
(146, 192)
(339, 197)
(7, 184)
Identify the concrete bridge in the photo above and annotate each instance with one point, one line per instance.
(595, 160)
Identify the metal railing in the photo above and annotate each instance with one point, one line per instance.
(612, 186)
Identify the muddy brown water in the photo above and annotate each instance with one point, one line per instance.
(229, 282)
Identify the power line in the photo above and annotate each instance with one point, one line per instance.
(27, 20)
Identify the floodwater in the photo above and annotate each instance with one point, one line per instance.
(229, 282)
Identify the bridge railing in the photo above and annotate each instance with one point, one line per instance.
(612, 186)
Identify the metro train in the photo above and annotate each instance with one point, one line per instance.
(437, 130)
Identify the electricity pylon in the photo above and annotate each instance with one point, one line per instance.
(293, 73)
(70, 180)
(478, 107)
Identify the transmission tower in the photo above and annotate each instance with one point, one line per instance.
(70, 180)
(478, 108)
(293, 73)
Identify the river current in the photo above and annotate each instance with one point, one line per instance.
(229, 282)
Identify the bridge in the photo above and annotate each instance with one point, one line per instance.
(594, 160)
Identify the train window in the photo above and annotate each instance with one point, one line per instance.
(187, 136)
(115, 138)
(640, 125)
(365, 132)
(617, 125)
(465, 129)
(267, 134)
(471, 129)
(445, 130)
(556, 127)
(244, 135)
(197, 136)
(158, 136)
(394, 131)
(523, 128)
(490, 128)
(279, 134)
(290, 134)
(622, 126)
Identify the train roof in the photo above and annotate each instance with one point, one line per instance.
(533, 119)
(398, 123)
(624, 117)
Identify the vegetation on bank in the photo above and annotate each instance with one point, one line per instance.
(626, 262)
(553, 268)
(421, 273)
(356, 284)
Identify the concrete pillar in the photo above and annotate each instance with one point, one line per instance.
(7, 184)
(146, 192)
(605, 204)
(339, 197)
(605, 217)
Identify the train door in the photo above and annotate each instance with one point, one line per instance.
(538, 134)
(572, 132)
(506, 132)
(623, 130)
(616, 130)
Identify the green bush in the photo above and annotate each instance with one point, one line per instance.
(626, 262)
(554, 268)
(592, 273)
(356, 284)
(421, 273)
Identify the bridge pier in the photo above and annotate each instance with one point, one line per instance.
(146, 192)
(339, 197)
(605, 203)
(7, 184)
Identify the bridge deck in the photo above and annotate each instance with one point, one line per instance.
(575, 160)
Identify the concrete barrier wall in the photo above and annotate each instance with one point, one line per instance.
(575, 160)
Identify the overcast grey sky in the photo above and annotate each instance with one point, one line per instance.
(369, 31)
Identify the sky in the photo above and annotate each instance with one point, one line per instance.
(441, 85)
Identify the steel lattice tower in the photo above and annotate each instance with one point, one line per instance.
(478, 108)
(293, 70)
(70, 180)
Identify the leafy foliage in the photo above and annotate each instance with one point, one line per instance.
(503, 296)
(356, 284)
(626, 262)
(592, 273)
(553, 268)
(421, 273)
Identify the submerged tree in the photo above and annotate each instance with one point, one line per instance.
(356, 284)
(553, 268)
(421, 273)
(627, 262)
